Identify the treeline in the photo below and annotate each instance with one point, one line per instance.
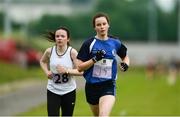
(129, 21)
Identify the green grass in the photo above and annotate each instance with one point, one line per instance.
(11, 72)
(136, 95)
(140, 96)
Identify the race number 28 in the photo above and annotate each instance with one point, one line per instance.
(60, 78)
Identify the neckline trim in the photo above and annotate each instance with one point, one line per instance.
(62, 53)
(101, 39)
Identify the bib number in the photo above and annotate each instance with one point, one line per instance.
(60, 78)
(103, 69)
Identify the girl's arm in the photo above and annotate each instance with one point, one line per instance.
(44, 62)
(124, 65)
(84, 65)
(126, 60)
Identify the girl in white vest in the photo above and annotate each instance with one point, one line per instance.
(59, 64)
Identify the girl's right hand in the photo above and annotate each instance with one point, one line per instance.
(49, 74)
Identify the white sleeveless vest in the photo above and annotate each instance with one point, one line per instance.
(65, 85)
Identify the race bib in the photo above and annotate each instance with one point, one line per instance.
(103, 69)
(60, 78)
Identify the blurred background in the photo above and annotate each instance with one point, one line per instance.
(149, 28)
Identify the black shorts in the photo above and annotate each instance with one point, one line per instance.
(97, 90)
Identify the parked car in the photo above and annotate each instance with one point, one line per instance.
(14, 52)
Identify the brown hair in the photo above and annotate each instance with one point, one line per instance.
(50, 36)
(100, 14)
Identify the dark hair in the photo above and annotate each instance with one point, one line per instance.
(100, 14)
(50, 36)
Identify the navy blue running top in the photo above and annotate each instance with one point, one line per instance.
(105, 69)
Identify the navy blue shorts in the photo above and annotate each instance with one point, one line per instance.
(97, 90)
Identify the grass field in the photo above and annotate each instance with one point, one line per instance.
(136, 95)
(10, 73)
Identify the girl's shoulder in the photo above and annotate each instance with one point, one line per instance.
(86, 43)
(73, 50)
(89, 40)
(49, 49)
(113, 37)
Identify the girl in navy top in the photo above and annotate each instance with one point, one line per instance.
(97, 58)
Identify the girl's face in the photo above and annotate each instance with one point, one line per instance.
(61, 37)
(101, 26)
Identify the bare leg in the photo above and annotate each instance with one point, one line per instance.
(95, 109)
(105, 105)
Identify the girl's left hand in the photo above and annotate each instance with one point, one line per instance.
(123, 66)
